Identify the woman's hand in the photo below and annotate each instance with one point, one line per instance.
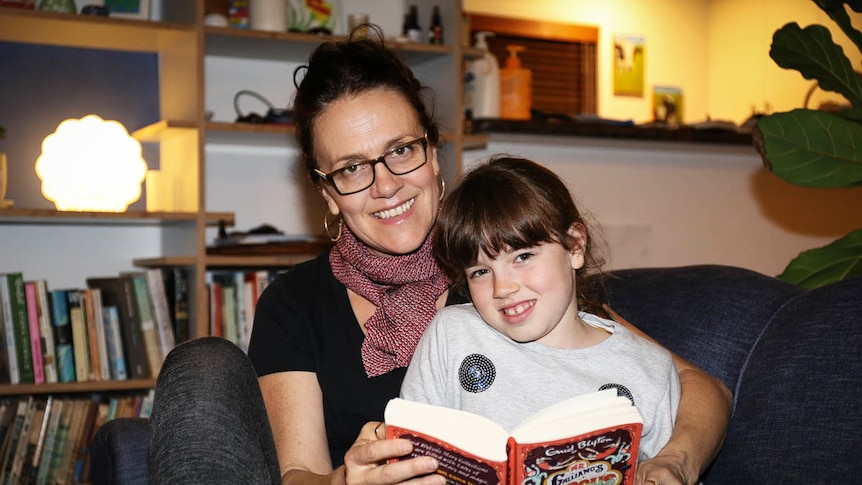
(365, 463)
(663, 469)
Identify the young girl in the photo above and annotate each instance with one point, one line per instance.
(511, 233)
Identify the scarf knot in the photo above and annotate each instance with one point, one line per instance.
(404, 289)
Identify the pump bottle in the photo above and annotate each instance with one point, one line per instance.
(516, 86)
(482, 82)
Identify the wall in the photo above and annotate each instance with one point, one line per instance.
(671, 204)
(716, 50)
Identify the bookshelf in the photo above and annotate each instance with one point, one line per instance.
(179, 235)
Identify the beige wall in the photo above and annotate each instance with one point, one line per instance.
(716, 50)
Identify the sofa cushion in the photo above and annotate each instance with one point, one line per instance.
(710, 315)
(798, 414)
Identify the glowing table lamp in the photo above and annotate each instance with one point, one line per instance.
(91, 164)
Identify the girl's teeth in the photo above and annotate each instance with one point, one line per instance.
(517, 310)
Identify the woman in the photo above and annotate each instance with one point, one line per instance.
(332, 337)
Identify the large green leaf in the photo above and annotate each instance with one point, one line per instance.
(812, 52)
(811, 148)
(836, 11)
(828, 264)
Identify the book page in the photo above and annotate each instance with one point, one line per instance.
(473, 433)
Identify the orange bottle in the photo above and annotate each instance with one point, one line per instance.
(516, 87)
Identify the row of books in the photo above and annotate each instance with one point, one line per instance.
(233, 295)
(117, 328)
(46, 439)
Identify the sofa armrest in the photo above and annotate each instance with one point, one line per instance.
(119, 453)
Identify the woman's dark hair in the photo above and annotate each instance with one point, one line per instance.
(339, 68)
(510, 204)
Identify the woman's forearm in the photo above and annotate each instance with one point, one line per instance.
(701, 422)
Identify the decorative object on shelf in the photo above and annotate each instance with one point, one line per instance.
(268, 15)
(315, 16)
(98, 10)
(238, 14)
(132, 9)
(4, 202)
(91, 164)
(64, 6)
(3, 175)
(273, 115)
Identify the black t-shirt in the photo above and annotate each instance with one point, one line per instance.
(303, 322)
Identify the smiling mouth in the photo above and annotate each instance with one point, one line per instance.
(396, 211)
(518, 309)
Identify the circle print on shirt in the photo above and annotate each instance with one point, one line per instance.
(476, 373)
(621, 391)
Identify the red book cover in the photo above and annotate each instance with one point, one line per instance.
(588, 439)
(35, 332)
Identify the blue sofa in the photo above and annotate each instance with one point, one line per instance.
(791, 357)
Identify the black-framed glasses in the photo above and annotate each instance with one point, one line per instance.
(358, 176)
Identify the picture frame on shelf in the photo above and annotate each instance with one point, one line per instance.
(129, 9)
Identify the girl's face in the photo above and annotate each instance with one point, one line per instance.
(395, 215)
(529, 295)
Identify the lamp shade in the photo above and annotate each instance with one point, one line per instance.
(91, 164)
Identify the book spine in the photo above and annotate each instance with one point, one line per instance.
(14, 438)
(77, 319)
(23, 443)
(35, 334)
(22, 327)
(9, 372)
(161, 311)
(46, 331)
(114, 342)
(179, 285)
(60, 442)
(135, 350)
(63, 335)
(49, 442)
(148, 325)
(97, 336)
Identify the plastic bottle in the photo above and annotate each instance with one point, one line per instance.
(435, 32)
(412, 30)
(482, 82)
(516, 86)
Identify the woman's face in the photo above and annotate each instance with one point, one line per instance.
(395, 214)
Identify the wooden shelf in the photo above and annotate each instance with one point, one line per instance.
(226, 261)
(90, 31)
(163, 130)
(294, 46)
(269, 134)
(50, 216)
(77, 387)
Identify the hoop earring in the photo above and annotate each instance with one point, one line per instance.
(442, 188)
(326, 227)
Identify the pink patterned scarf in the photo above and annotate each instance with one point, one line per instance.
(403, 288)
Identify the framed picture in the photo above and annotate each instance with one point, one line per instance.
(130, 9)
(628, 65)
(667, 105)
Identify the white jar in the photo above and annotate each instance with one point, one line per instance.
(268, 15)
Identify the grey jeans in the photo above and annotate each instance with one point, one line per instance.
(209, 423)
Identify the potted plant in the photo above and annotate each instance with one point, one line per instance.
(816, 148)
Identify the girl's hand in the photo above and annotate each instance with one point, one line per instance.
(366, 462)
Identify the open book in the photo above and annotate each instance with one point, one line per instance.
(590, 439)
